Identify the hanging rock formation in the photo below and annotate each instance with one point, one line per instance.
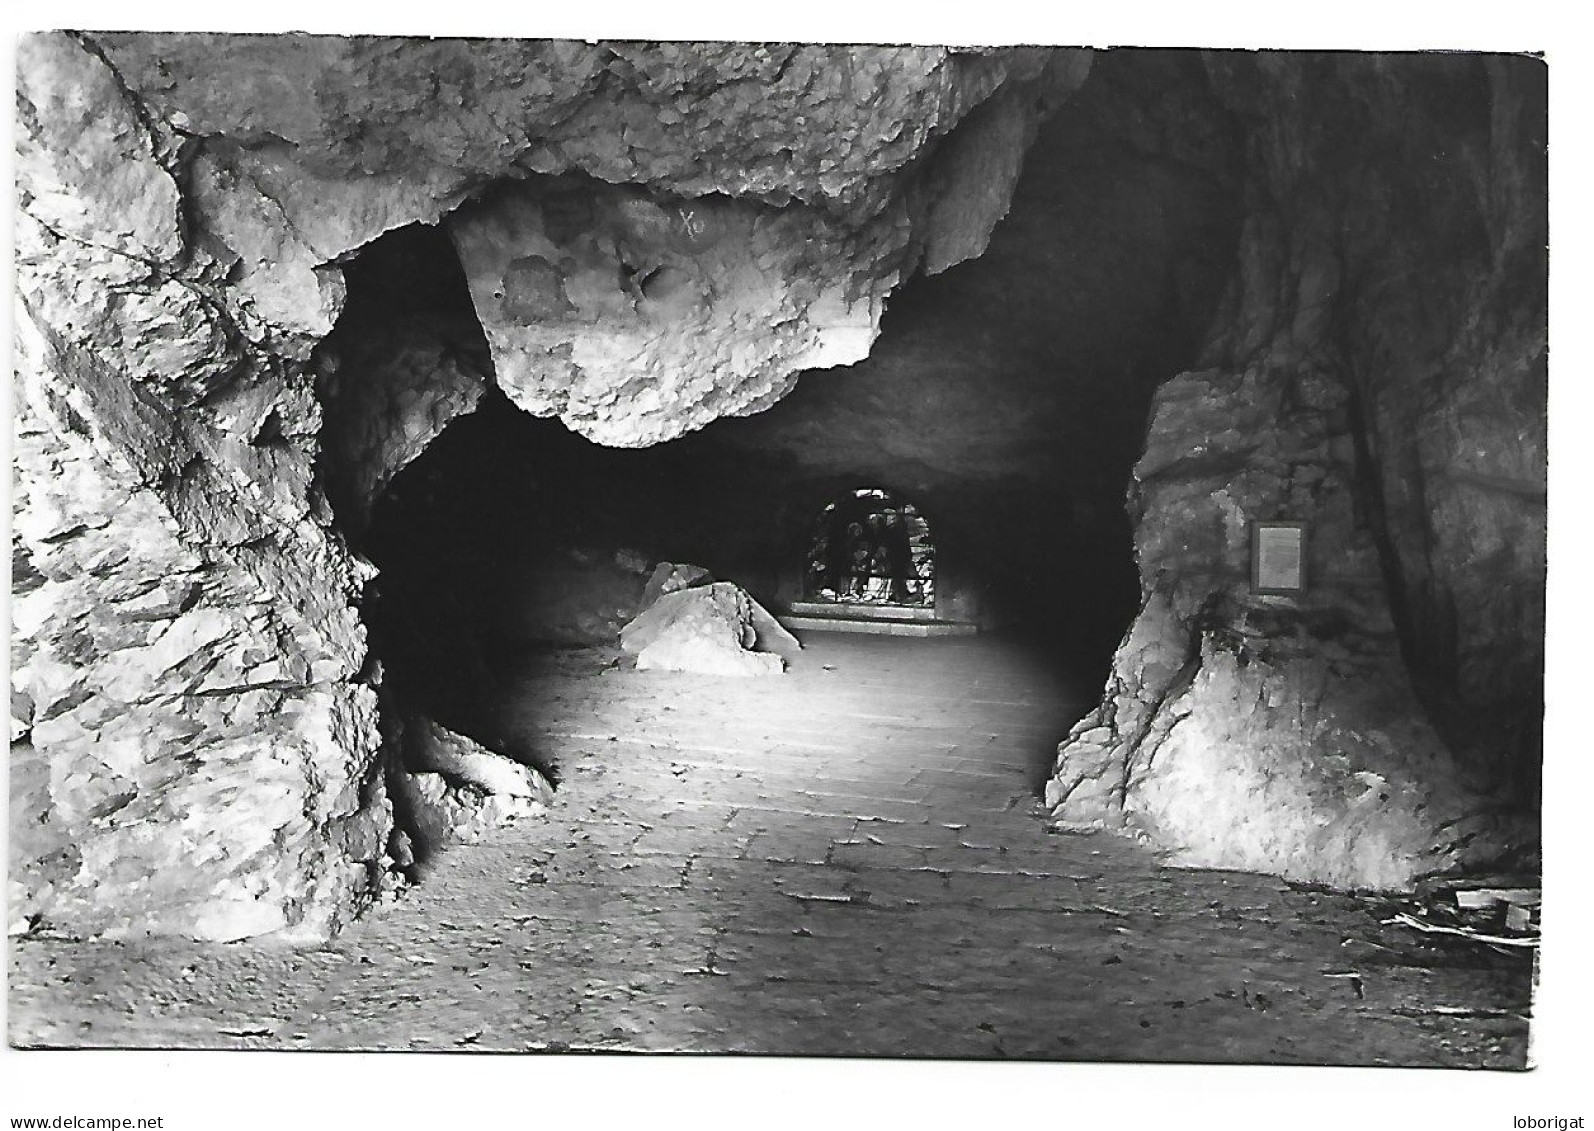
(634, 321)
(386, 399)
(191, 694)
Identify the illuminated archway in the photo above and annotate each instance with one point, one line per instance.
(870, 547)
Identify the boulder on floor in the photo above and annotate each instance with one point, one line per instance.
(453, 790)
(711, 629)
(671, 577)
(769, 634)
(436, 749)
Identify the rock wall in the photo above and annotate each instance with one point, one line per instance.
(1391, 285)
(202, 761)
(197, 734)
(387, 398)
(655, 235)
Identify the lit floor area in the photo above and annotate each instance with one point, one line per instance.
(847, 860)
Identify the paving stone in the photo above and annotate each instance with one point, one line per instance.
(838, 862)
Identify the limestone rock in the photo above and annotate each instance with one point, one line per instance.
(769, 635)
(668, 577)
(635, 314)
(387, 397)
(1286, 734)
(707, 629)
(287, 174)
(431, 748)
(281, 281)
(442, 812)
(194, 761)
(635, 318)
(90, 170)
(1287, 768)
(968, 190)
(1240, 731)
(451, 790)
(814, 122)
(185, 648)
(1450, 375)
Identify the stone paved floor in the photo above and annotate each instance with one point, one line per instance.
(846, 860)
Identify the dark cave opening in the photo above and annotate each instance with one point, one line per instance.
(1007, 397)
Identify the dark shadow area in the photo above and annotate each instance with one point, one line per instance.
(1005, 398)
(1009, 396)
(511, 531)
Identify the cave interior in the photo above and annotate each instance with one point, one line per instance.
(362, 447)
(1006, 400)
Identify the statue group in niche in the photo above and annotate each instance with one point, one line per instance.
(869, 548)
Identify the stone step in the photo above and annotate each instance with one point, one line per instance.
(879, 627)
(851, 611)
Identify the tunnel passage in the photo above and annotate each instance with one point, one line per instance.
(1006, 397)
(1015, 398)
(1342, 325)
(1198, 292)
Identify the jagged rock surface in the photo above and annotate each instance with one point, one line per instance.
(386, 399)
(1285, 735)
(430, 748)
(703, 628)
(668, 577)
(634, 321)
(635, 316)
(190, 759)
(782, 171)
(198, 753)
(451, 790)
(204, 763)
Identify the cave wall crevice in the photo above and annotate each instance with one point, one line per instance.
(1386, 292)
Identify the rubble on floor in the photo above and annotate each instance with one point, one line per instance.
(1497, 911)
(696, 624)
(453, 790)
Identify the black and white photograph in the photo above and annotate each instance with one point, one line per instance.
(896, 548)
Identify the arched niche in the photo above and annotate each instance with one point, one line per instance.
(869, 545)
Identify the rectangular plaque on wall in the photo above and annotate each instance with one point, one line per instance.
(1278, 557)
